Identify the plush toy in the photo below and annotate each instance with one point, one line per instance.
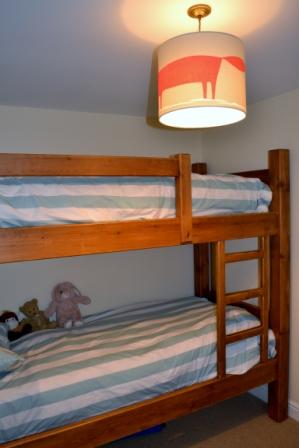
(65, 300)
(35, 317)
(15, 329)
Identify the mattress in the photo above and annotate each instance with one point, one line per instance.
(36, 201)
(119, 357)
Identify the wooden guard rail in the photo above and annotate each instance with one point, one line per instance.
(65, 240)
(224, 299)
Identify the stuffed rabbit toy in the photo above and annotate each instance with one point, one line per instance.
(65, 300)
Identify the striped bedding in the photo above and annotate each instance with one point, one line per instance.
(117, 358)
(35, 201)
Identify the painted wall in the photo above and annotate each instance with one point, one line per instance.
(270, 124)
(108, 279)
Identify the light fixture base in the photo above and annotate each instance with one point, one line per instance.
(199, 11)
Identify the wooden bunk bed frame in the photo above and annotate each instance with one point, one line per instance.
(272, 231)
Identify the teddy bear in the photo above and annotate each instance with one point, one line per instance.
(35, 317)
(65, 300)
(15, 329)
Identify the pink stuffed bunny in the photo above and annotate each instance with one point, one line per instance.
(65, 299)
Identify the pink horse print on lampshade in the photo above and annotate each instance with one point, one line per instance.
(202, 69)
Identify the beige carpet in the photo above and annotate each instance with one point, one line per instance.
(238, 423)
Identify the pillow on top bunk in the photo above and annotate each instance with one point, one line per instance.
(8, 359)
(228, 193)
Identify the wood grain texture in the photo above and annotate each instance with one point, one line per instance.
(263, 175)
(82, 165)
(239, 335)
(264, 268)
(280, 245)
(184, 197)
(280, 280)
(36, 243)
(199, 168)
(201, 254)
(235, 257)
(253, 309)
(236, 296)
(215, 228)
(201, 270)
(220, 308)
(104, 428)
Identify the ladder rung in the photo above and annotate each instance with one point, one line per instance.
(243, 256)
(238, 336)
(253, 309)
(238, 296)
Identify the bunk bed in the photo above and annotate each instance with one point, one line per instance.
(208, 235)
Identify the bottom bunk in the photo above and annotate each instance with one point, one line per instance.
(129, 355)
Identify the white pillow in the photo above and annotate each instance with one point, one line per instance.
(8, 359)
(4, 342)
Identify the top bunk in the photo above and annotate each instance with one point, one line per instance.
(63, 240)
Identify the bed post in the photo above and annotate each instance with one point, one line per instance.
(201, 253)
(184, 197)
(280, 280)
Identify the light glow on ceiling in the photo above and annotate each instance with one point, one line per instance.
(159, 20)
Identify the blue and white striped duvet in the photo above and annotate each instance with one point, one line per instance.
(118, 358)
(35, 201)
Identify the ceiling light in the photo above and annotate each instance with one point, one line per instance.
(201, 78)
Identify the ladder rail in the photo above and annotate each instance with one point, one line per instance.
(223, 299)
(220, 295)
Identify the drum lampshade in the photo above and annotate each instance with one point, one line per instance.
(201, 80)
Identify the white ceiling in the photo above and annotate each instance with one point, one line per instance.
(79, 55)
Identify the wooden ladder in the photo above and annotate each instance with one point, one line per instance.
(237, 298)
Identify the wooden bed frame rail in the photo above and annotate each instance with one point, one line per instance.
(122, 422)
(272, 231)
(35, 243)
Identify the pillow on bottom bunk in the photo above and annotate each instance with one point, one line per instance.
(4, 342)
(8, 359)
